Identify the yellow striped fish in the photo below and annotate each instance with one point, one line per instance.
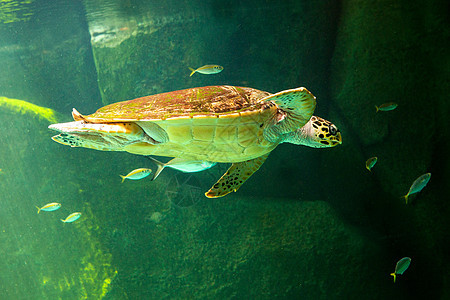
(386, 106)
(207, 69)
(371, 162)
(418, 185)
(49, 207)
(137, 174)
(401, 267)
(72, 217)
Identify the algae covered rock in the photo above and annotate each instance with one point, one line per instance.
(243, 247)
(51, 259)
(25, 107)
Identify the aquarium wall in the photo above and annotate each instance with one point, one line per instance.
(309, 224)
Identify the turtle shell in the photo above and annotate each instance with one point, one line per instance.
(214, 123)
(203, 101)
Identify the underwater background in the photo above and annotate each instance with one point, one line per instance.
(310, 224)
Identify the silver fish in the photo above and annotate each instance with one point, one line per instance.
(418, 185)
(183, 165)
(401, 266)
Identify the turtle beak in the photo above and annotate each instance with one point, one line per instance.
(338, 139)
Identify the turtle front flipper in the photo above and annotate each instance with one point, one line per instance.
(296, 108)
(236, 175)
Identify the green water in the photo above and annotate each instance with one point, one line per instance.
(310, 224)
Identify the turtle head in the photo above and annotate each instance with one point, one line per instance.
(317, 133)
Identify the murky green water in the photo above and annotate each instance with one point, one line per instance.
(310, 224)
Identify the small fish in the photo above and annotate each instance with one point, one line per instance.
(72, 217)
(386, 106)
(401, 267)
(371, 162)
(418, 185)
(207, 69)
(137, 174)
(183, 165)
(49, 207)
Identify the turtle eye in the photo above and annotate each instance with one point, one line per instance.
(333, 129)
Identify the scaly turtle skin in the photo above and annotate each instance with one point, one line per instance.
(222, 124)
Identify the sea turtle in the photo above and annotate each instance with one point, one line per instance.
(224, 124)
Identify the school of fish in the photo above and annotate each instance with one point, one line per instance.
(55, 206)
(417, 186)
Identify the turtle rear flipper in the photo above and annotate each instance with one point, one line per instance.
(297, 106)
(236, 175)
